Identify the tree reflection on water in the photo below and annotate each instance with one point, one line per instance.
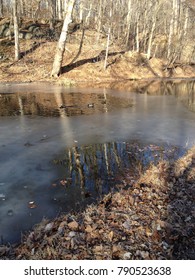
(96, 169)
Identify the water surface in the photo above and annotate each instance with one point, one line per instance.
(61, 148)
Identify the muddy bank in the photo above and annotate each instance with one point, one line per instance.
(151, 216)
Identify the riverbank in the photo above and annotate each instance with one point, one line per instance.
(151, 216)
(84, 63)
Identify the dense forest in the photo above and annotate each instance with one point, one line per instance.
(158, 28)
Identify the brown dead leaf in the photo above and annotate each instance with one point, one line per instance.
(148, 232)
(110, 235)
(95, 234)
(63, 182)
(98, 249)
(61, 227)
(156, 236)
(131, 200)
(88, 229)
(73, 225)
(115, 248)
(32, 205)
(48, 251)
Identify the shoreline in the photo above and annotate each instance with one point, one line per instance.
(136, 222)
(59, 82)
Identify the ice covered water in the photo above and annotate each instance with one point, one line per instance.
(56, 149)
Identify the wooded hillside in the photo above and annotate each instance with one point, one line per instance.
(160, 28)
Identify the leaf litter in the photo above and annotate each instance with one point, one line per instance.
(151, 217)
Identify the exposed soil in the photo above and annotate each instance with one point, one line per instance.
(151, 216)
(86, 66)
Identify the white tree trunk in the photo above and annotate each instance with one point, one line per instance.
(150, 39)
(176, 8)
(171, 31)
(137, 36)
(128, 22)
(16, 31)
(59, 9)
(107, 49)
(81, 11)
(62, 41)
(155, 12)
(88, 15)
(186, 22)
(65, 6)
(108, 40)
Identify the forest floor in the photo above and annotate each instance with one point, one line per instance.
(83, 64)
(151, 215)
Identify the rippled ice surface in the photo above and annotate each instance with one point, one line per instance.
(61, 148)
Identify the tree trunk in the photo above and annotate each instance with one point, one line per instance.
(59, 9)
(155, 13)
(107, 48)
(65, 6)
(16, 31)
(52, 5)
(175, 16)
(1, 8)
(81, 11)
(88, 15)
(62, 41)
(137, 35)
(186, 22)
(128, 23)
(171, 32)
(108, 40)
(99, 20)
(150, 39)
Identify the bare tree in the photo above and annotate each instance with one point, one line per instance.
(108, 41)
(128, 22)
(154, 19)
(16, 31)
(1, 8)
(135, 25)
(81, 11)
(59, 9)
(62, 41)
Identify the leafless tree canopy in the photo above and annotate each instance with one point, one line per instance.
(161, 28)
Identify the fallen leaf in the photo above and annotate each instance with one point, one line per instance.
(61, 227)
(148, 232)
(127, 225)
(72, 234)
(32, 205)
(63, 182)
(142, 254)
(88, 229)
(127, 256)
(110, 235)
(98, 249)
(49, 227)
(73, 225)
